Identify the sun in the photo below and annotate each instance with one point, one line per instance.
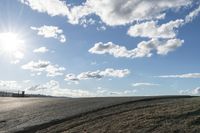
(12, 45)
(10, 42)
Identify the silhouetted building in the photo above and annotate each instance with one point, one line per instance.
(12, 94)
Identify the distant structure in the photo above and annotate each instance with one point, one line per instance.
(19, 94)
(12, 94)
(23, 93)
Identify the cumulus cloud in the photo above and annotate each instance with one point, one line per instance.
(44, 66)
(85, 22)
(41, 50)
(144, 84)
(123, 12)
(53, 88)
(143, 49)
(50, 32)
(195, 91)
(192, 15)
(9, 85)
(108, 92)
(51, 7)
(166, 32)
(120, 51)
(188, 75)
(111, 12)
(109, 72)
(101, 28)
(168, 46)
(60, 8)
(163, 39)
(152, 30)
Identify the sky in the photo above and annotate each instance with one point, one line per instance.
(97, 48)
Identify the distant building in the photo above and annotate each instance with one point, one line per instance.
(12, 94)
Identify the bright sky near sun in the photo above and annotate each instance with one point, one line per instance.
(100, 47)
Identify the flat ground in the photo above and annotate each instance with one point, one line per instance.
(100, 115)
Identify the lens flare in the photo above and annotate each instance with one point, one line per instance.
(11, 44)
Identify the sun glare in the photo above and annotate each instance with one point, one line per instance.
(12, 46)
(10, 42)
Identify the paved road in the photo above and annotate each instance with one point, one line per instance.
(17, 114)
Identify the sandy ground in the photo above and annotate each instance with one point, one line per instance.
(100, 115)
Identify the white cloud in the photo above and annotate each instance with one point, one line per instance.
(163, 39)
(123, 12)
(51, 7)
(120, 51)
(53, 88)
(101, 28)
(17, 56)
(130, 92)
(72, 78)
(169, 46)
(50, 32)
(44, 66)
(41, 50)
(9, 85)
(60, 8)
(78, 13)
(144, 48)
(192, 15)
(195, 91)
(36, 66)
(111, 12)
(85, 22)
(109, 72)
(107, 92)
(188, 75)
(152, 30)
(54, 70)
(144, 84)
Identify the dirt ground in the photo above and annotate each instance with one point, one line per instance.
(156, 115)
(19, 114)
(131, 115)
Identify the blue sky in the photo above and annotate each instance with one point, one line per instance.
(100, 48)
